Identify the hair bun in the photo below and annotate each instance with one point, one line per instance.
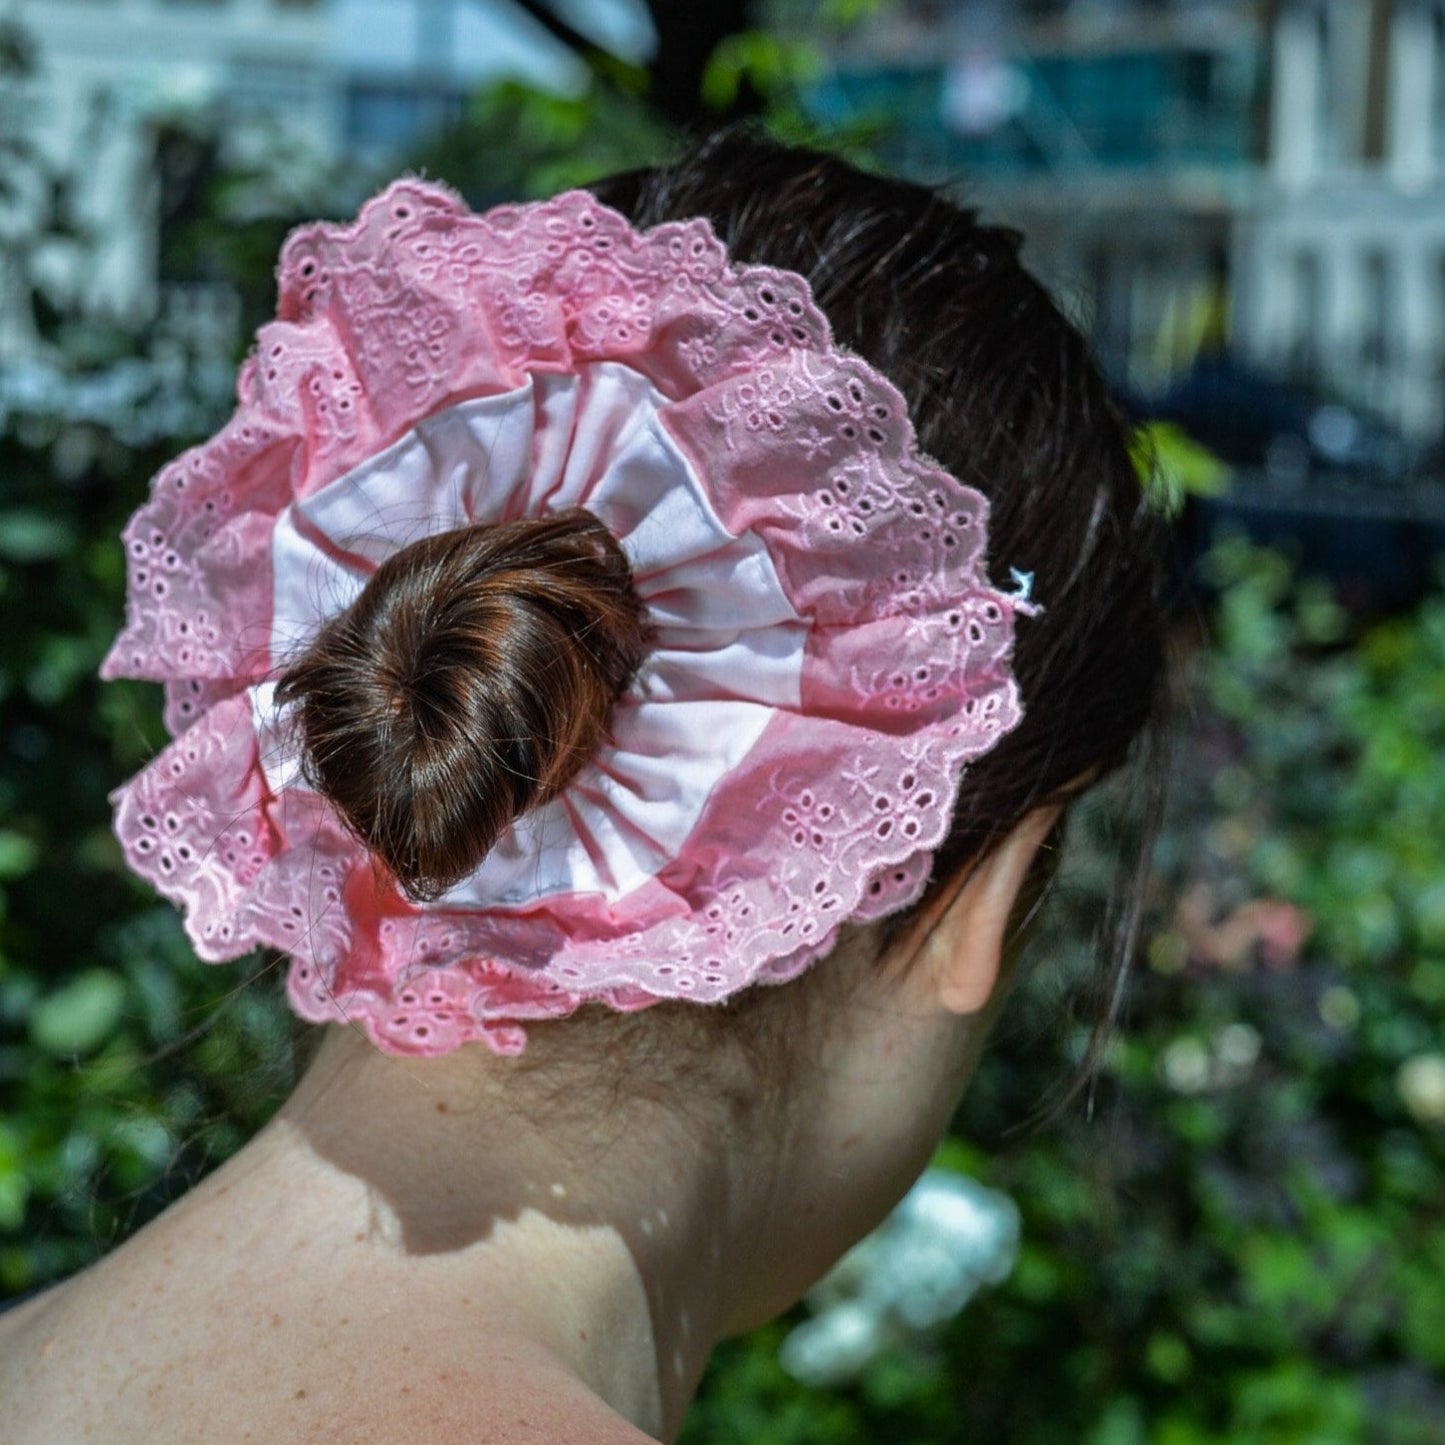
(469, 682)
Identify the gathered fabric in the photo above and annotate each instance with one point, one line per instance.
(827, 651)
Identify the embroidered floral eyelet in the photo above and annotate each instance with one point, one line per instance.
(802, 458)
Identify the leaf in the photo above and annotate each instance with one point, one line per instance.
(1172, 466)
(27, 535)
(17, 854)
(14, 1186)
(79, 1017)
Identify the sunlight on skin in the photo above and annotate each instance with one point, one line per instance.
(522, 1241)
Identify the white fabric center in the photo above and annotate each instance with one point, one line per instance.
(729, 645)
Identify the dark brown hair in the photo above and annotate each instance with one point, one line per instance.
(470, 680)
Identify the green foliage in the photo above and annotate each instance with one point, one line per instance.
(1174, 467)
(773, 66)
(517, 141)
(1246, 1243)
(78, 1017)
(228, 223)
(125, 1065)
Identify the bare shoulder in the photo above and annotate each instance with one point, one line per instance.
(499, 1403)
(68, 1379)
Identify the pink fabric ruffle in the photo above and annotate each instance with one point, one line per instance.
(806, 455)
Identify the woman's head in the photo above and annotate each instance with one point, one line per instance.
(485, 470)
(827, 651)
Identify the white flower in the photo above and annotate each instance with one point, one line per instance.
(1236, 1050)
(1185, 1066)
(948, 1238)
(1421, 1084)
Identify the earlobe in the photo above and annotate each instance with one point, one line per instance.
(964, 951)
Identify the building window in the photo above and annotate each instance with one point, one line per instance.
(260, 88)
(1437, 83)
(383, 118)
(1307, 296)
(1377, 307)
(1326, 118)
(1435, 345)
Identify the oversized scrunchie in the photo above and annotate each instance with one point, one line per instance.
(829, 654)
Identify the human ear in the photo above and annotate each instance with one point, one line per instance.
(962, 951)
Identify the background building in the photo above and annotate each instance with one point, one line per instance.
(83, 100)
(1264, 176)
(287, 87)
(1340, 257)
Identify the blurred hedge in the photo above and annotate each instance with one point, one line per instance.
(126, 1067)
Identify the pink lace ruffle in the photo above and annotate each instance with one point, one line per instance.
(834, 810)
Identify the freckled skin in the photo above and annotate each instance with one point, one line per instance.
(373, 1267)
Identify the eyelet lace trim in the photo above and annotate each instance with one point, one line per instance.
(832, 815)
